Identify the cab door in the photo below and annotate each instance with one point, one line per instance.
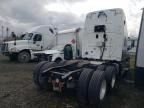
(37, 44)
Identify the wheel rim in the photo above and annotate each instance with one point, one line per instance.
(24, 57)
(113, 81)
(58, 60)
(102, 89)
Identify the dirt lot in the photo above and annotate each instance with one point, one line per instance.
(17, 90)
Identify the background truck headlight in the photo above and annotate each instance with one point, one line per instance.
(13, 49)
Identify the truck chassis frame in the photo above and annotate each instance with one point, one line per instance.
(78, 75)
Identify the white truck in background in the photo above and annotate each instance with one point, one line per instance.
(36, 39)
(66, 48)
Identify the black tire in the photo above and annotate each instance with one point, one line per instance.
(110, 77)
(40, 79)
(117, 66)
(96, 82)
(36, 73)
(101, 67)
(24, 57)
(43, 78)
(58, 60)
(82, 89)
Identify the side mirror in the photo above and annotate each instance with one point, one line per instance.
(34, 42)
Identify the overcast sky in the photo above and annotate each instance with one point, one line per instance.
(20, 15)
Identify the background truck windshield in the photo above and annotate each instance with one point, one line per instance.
(28, 36)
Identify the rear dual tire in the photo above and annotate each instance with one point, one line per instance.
(83, 83)
(94, 85)
(36, 73)
(41, 79)
(110, 77)
(97, 88)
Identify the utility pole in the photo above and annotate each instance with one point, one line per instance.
(7, 32)
(2, 31)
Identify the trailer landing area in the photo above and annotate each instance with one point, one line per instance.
(17, 90)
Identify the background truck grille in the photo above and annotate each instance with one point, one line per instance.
(4, 47)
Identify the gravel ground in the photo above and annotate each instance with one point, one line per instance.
(17, 90)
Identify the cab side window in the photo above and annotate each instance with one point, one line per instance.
(37, 37)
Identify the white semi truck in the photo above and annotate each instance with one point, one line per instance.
(36, 39)
(103, 59)
(65, 39)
